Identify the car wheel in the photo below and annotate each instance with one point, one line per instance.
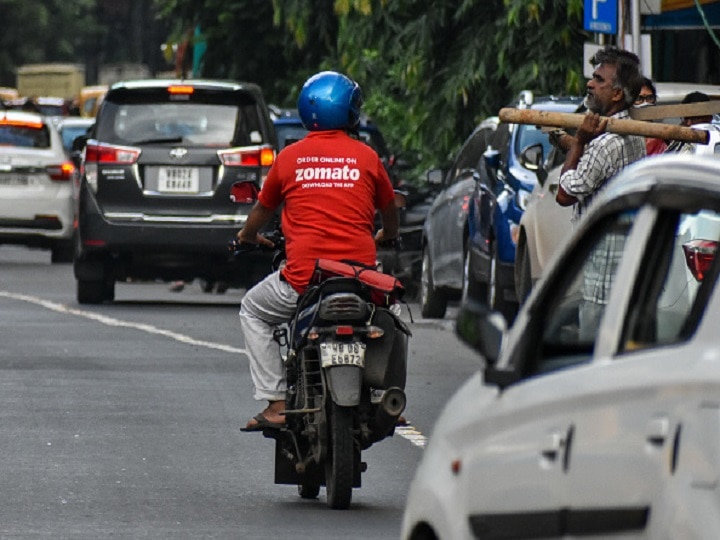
(471, 288)
(433, 302)
(90, 291)
(62, 251)
(523, 273)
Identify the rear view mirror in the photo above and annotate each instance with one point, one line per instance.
(482, 329)
(532, 158)
(492, 158)
(435, 176)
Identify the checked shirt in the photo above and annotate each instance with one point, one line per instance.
(602, 159)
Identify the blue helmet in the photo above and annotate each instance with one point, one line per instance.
(329, 100)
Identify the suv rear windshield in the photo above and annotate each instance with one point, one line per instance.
(24, 136)
(206, 120)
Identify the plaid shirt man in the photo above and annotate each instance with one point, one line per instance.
(602, 159)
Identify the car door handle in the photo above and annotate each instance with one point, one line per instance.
(553, 445)
(657, 431)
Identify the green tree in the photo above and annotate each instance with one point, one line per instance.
(430, 69)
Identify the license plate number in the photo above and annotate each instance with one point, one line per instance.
(178, 180)
(335, 353)
(13, 179)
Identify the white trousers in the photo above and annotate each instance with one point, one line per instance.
(264, 307)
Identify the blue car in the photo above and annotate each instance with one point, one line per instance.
(471, 230)
(496, 206)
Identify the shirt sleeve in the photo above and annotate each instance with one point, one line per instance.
(384, 193)
(593, 169)
(271, 193)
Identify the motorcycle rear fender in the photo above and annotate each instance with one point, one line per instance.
(344, 383)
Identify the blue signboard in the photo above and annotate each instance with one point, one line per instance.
(601, 16)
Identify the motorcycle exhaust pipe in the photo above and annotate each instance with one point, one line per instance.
(393, 402)
(391, 405)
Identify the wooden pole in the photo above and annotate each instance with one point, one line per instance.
(623, 127)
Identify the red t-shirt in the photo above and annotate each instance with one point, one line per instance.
(331, 185)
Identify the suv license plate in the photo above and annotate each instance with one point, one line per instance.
(346, 353)
(178, 180)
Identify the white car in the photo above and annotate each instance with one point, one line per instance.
(605, 426)
(36, 185)
(545, 225)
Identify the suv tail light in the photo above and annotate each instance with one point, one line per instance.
(699, 255)
(250, 156)
(107, 154)
(62, 172)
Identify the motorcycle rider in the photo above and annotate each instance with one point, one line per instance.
(331, 185)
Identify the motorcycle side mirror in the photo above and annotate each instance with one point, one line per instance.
(482, 329)
(532, 159)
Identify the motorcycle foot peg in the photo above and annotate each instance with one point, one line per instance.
(363, 466)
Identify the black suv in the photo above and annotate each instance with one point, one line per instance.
(171, 170)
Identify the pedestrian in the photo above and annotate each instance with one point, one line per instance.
(320, 219)
(594, 157)
(683, 147)
(648, 98)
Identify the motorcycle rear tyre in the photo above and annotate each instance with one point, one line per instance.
(339, 461)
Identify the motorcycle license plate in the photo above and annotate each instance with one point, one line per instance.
(346, 353)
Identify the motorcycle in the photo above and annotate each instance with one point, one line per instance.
(345, 355)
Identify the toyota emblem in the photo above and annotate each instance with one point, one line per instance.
(178, 153)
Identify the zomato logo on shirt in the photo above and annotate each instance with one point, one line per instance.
(322, 171)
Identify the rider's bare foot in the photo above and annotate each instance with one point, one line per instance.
(272, 415)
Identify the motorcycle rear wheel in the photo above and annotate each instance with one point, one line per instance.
(339, 461)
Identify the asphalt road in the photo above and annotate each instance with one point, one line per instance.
(121, 420)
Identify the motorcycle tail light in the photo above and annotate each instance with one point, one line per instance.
(344, 330)
(699, 255)
(343, 307)
(251, 156)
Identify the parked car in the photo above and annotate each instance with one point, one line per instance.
(36, 192)
(545, 224)
(171, 171)
(607, 430)
(471, 230)
(402, 261)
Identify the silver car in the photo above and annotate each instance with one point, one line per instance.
(598, 413)
(36, 189)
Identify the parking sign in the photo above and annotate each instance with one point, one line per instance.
(601, 16)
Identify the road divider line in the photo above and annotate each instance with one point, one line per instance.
(111, 321)
(407, 432)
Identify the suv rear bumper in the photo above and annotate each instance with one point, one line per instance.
(141, 246)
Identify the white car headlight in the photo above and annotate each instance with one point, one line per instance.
(522, 197)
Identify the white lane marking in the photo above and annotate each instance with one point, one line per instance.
(110, 321)
(411, 434)
(407, 432)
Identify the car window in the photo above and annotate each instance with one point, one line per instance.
(529, 135)
(191, 122)
(671, 294)
(28, 136)
(69, 134)
(567, 320)
(471, 154)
